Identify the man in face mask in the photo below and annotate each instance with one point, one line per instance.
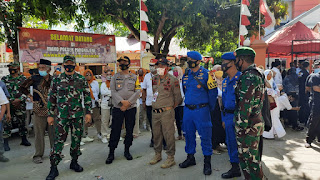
(125, 90)
(33, 53)
(66, 93)
(228, 108)
(166, 97)
(17, 100)
(200, 98)
(249, 123)
(41, 85)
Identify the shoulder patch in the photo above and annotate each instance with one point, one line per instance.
(211, 83)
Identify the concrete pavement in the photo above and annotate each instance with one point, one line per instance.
(287, 159)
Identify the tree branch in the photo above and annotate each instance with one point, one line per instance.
(172, 30)
(130, 26)
(158, 31)
(167, 44)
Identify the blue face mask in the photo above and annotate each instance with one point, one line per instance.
(317, 70)
(43, 73)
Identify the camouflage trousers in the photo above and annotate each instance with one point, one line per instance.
(60, 137)
(248, 139)
(18, 119)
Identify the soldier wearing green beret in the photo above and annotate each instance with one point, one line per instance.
(248, 118)
(66, 94)
(17, 101)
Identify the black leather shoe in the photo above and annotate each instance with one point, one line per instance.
(53, 173)
(6, 144)
(151, 144)
(24, 141)
(75, 166)
(233, 172)
(110, 158)
(207, 165)
(165, 147)
(190, 161)
(128, 156)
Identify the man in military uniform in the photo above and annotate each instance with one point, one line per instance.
(166, 97)
(125, 90)
(228, 108)
(17, 101)
(200, 97)
(248, 118)
(66, 94)
(41, 85)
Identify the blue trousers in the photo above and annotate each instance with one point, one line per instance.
(193, 120)
(231, 137)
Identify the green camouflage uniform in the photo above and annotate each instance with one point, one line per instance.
(18, 114)
(66, 94)
(249, 122)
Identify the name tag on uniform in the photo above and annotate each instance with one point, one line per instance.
(155, 96)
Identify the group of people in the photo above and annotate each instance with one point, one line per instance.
(226, 105)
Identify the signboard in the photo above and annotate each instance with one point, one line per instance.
(35, 44)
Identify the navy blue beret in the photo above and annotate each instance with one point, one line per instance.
(228, 56)
(194, 55)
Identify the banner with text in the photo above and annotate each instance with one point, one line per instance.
(35, 44)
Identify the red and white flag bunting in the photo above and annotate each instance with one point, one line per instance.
(143, 24)
(269, 19)
(244, 19)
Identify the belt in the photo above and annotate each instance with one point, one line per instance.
(193, 107)
(161, 110)
(230, 111)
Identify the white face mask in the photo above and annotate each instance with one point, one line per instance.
(161, 71)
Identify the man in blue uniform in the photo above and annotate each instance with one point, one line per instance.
(228, 108)
(200, 98)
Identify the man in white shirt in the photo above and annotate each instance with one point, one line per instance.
(3, 102)
(276, 66)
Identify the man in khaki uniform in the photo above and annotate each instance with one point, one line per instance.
(166, 96)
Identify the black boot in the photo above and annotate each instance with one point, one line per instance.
(127, 153)
(190, 161)
(207, 165)
(233, 172)
(6, 144)
(24, 141)
(75, 166)
(53, 173)
(110, 157)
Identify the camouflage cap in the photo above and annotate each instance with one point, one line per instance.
(244, 51)
(69, 58)
(14, 64)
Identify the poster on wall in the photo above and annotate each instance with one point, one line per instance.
(35, 44)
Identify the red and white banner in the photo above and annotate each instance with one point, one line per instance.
(244, 20)
(269, 19)
(143, 24)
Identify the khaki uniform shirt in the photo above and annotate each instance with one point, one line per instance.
(168, 90)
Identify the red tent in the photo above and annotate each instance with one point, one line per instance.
(296, 39)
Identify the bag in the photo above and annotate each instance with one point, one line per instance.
(40, 109)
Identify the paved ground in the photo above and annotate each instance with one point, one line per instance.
(287, 159)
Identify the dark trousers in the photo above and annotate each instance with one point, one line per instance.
(261, 147)
(293, 118)
(129, 116)
(218, 132)
(304, 112)
(179, 117)
(314, 125)
(149, 117)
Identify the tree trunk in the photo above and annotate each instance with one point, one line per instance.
(18, 23)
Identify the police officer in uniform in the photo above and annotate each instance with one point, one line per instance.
(200, 97)
(228, 108)
(125, 90)
(66, 94)
(166, 97)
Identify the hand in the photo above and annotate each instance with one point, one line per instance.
(16, 103)
(123, 108)
(144, 105)
(50, 121)
(298, 108)
(223, 125)
(8, 117)
(126, 103)
(87, 118)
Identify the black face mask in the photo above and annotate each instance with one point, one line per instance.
(192, 64)
(225, 67)
(238, 66)
(13, 71)
(69, 68)
(124, 66)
